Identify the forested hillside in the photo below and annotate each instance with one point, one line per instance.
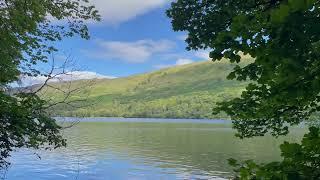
(188, 91)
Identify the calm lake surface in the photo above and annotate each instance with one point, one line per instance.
(111, 148)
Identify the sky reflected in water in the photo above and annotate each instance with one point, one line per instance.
(145, 149)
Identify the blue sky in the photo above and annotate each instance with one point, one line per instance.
(134, 36)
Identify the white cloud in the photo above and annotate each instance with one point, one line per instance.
(203, 54)
(179, 62)
(133, 52)
(77, 75)
(183, 61)
(70, 76)
(162, 66)
(182, 37)
(117, 11)
(29, 81)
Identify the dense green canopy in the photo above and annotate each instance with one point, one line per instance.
(284, 38)
(27, 28)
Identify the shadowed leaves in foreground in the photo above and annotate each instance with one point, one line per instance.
(27, 30)
(282, 36)
(300, 161)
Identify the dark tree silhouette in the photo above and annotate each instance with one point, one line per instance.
(283, 37)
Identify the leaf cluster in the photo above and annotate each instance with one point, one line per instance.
(300, 161)
(28, 31)
(281, 35)
(24, 123)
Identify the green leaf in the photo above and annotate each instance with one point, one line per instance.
(280, 14)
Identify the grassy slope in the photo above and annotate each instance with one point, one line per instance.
(188, 91)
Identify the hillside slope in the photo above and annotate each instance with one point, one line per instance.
(188, 91)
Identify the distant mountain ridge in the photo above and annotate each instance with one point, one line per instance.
(188, 91)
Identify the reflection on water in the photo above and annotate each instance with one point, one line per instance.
(146, 149)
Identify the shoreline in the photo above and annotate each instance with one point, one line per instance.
(142, 120)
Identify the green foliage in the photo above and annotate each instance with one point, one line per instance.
(300, 161)
(24, 123)
(188, 91)
(284, 39)
(26, 32)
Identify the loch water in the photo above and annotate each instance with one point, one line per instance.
(119, 148)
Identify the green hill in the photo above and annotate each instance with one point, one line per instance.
(188, 91)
